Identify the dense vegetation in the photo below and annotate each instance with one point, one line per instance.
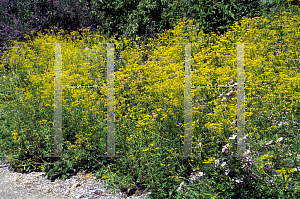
(125, 18)
(149, 97)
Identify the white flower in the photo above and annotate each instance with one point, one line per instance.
(225, 147)
(217, 162)
(269, 142)
(279, 139)
(179, 188)
(297, 169)
(181, 183)
(227, 171)
(248, 159)
(247, 152)
(269, 181)
(196, 169)
(232, 137)
(196, 176)
(229, 93)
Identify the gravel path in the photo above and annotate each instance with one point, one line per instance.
(10, 190)
(35, 185)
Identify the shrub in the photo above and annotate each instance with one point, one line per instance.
(149, 97)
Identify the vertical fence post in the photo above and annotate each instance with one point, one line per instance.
(110, 102)
(188, 101)
(241, 148)
(57, 103)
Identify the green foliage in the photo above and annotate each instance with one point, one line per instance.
(142, 93)
(144, 19)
